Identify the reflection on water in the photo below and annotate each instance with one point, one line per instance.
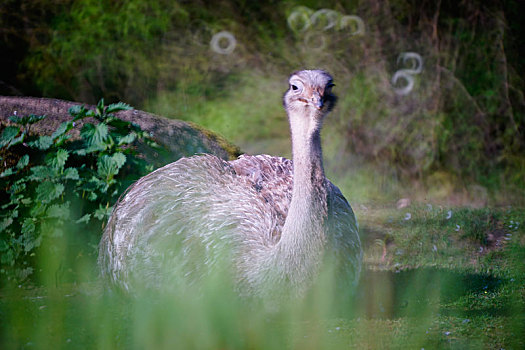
(419, 292)
(387, 306)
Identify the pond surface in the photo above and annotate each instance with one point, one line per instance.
(83, 316)
(387, 294)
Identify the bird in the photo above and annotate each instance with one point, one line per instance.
(276, 222)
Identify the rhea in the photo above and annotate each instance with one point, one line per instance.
(276, 222)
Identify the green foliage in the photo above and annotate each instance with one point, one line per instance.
(56, 182)
(465, 114)
(443, 303)
(116, 41)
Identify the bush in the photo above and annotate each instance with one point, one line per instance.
(464, 115)
(53, 183)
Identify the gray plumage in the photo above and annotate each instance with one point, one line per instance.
(275, 222)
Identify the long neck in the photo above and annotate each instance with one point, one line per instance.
(307, 160)
(299, 252)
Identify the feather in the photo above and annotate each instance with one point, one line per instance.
(273, 220)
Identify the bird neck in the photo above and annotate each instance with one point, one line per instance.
(307, 156)
(302, 238)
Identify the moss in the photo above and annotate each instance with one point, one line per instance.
(232, 150)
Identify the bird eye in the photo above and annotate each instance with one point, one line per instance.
(296, 86)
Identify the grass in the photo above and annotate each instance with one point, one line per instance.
(426, 284)
(251, 110)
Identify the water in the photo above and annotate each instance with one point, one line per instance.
(410, 293)
(396, 305)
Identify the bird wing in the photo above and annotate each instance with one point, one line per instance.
(272, 179)
(340, 211)
(344, 235)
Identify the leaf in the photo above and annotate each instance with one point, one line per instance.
(62, 129)
(119, 159)
(129, 138)
(8, 135)
(5, 223)
(92, 196)
(58, 159)
(7, 172)
(17, 140)
(31, 241)
(99, 185)
(94, 149)
(84, 219)
(95, 135)
(41, 172)
(42, 143)
(78, 112)
(38, 209)
(120, 106)
(75, 110)
(59, 211)
(47, 191)
(28, 226)
(17, 187)
(80, 152)
(102, 213)
(71, 174)
(29, 244)
(26, 120)
(23, 162)
(92, 188)
(108, 166)
(121, 126)
(100, 107)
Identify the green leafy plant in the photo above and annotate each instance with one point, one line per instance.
(54, 182)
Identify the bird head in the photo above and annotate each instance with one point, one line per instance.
(310, 91)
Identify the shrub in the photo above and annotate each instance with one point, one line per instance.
(52, 182)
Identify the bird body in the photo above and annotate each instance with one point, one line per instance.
(273, 221)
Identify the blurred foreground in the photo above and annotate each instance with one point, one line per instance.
(427, 285)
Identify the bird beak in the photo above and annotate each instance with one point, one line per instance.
(317, 100)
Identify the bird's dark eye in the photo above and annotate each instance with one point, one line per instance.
(296, 86)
